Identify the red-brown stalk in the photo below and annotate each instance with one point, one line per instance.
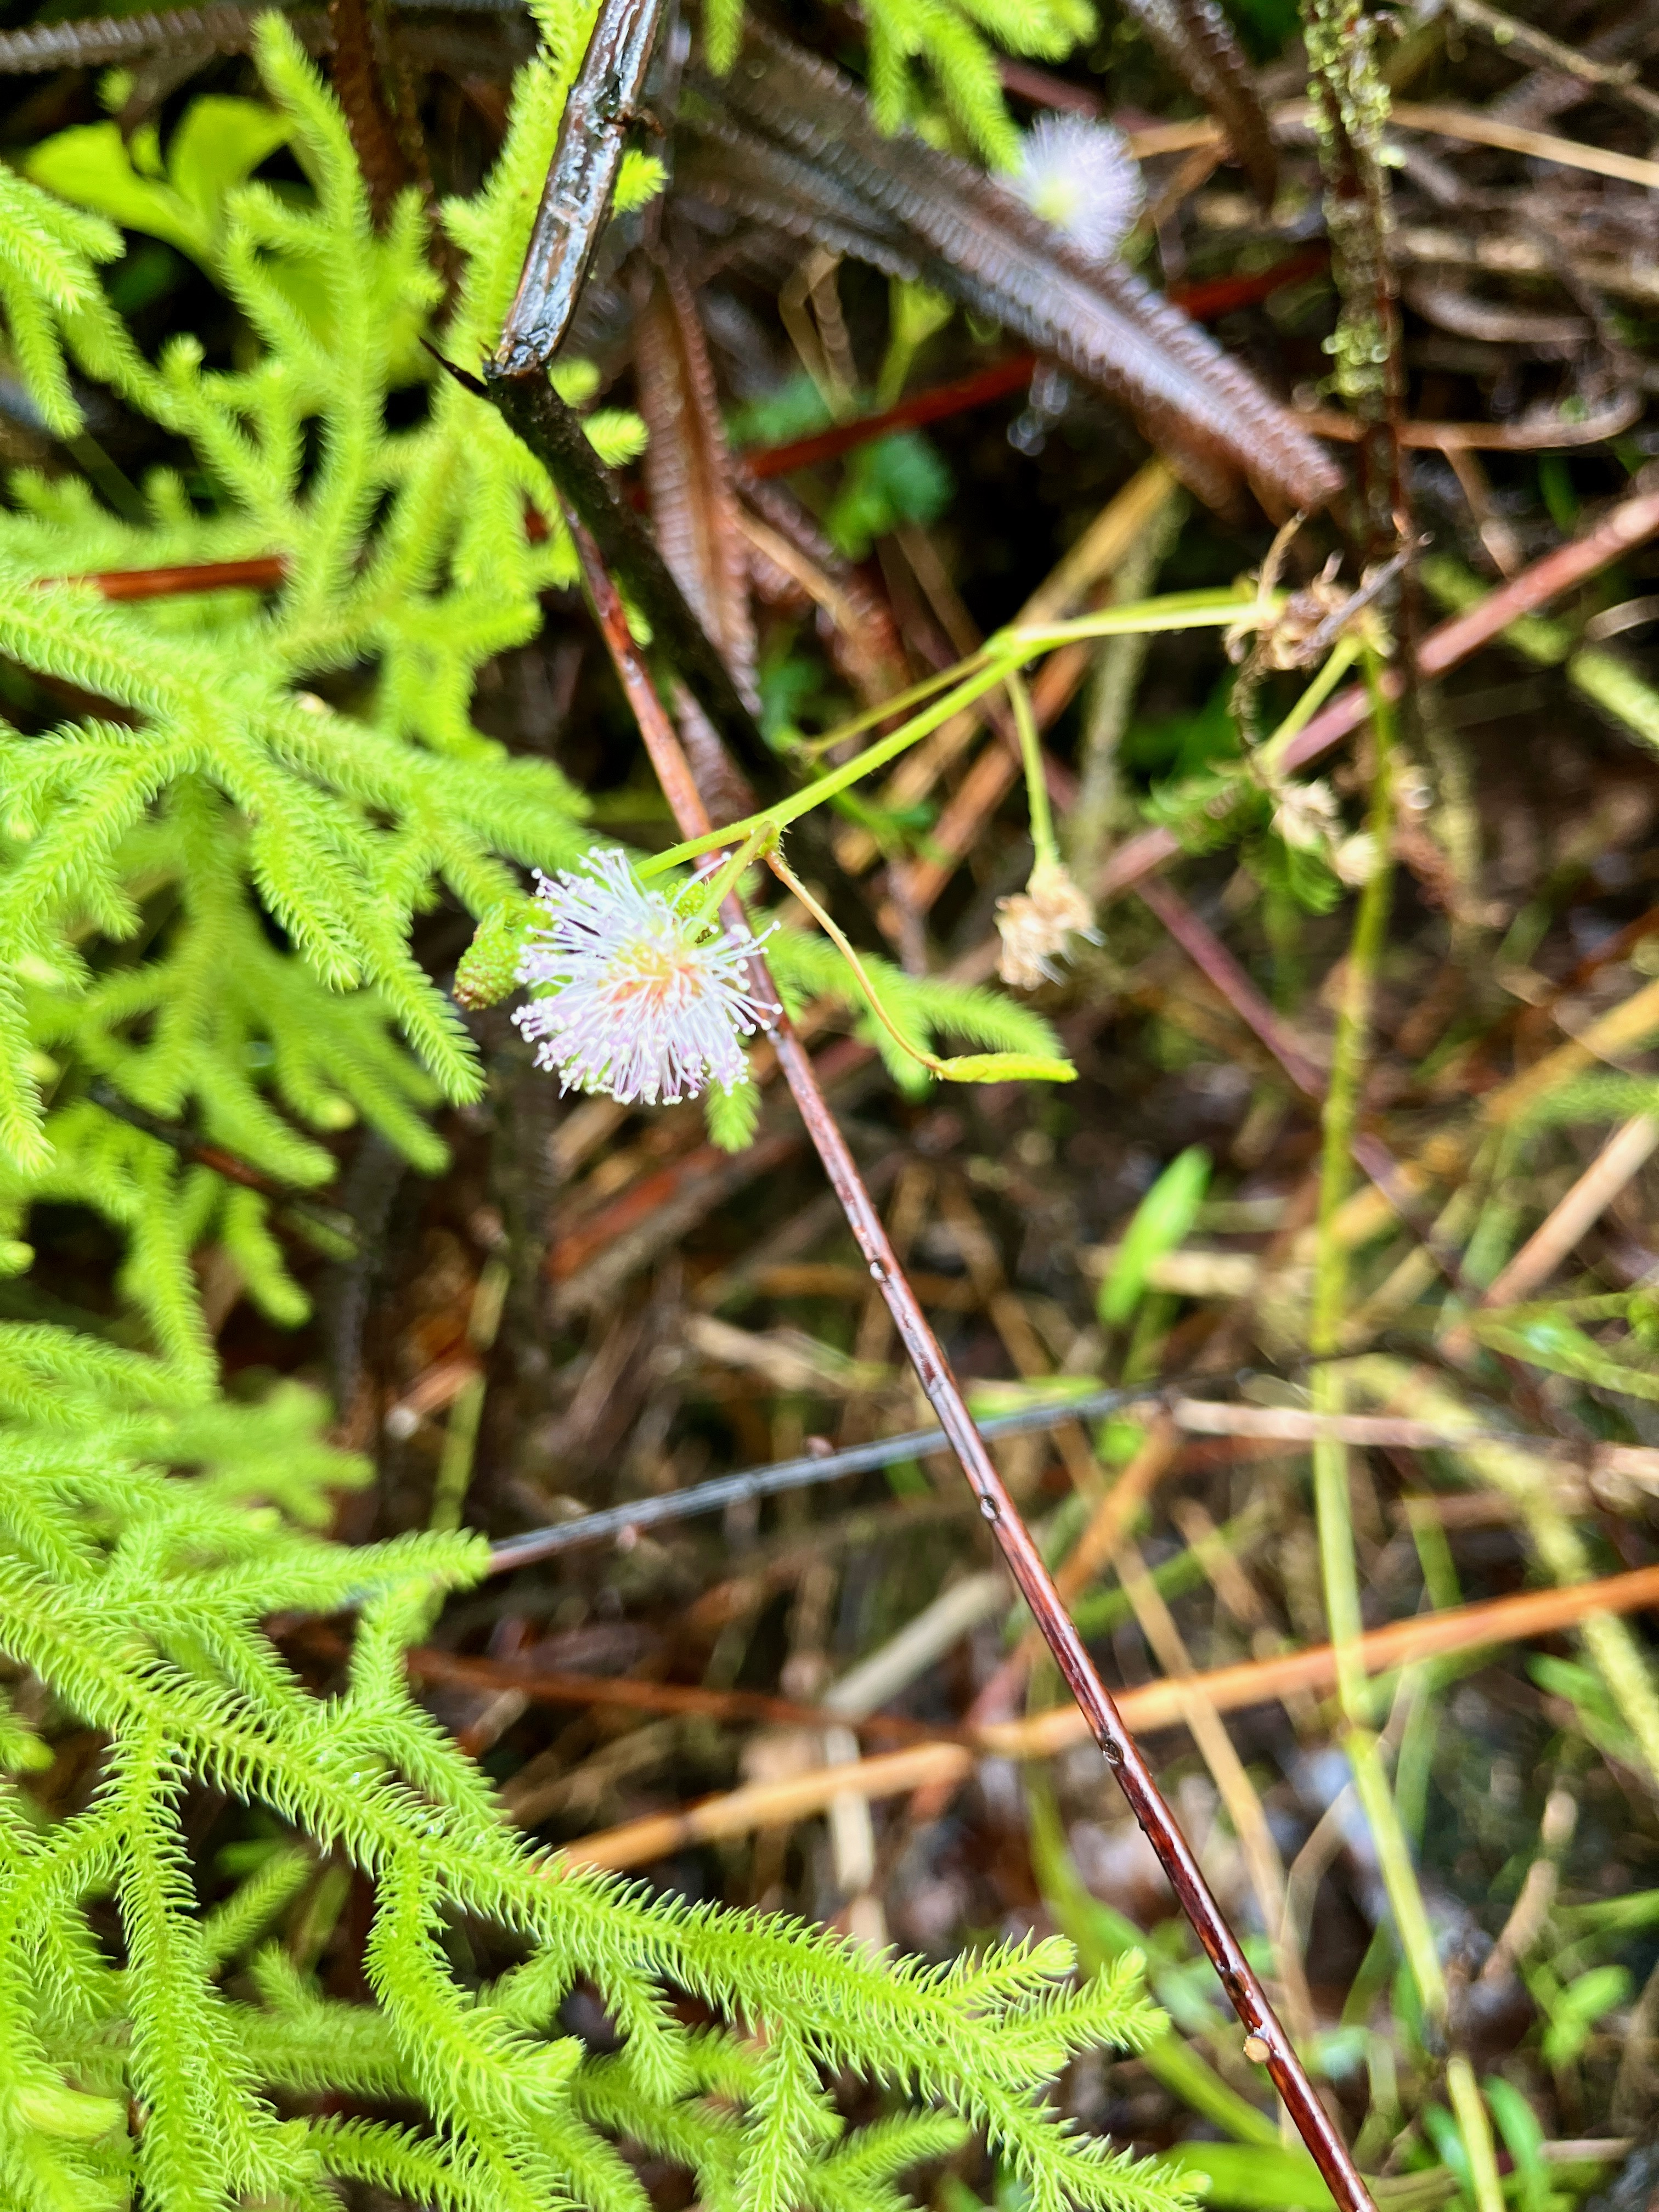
(1265, 2038)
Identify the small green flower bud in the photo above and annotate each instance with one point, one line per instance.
(488, 969)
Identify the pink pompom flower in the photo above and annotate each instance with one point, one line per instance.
(646, 1005)
(1080, 176)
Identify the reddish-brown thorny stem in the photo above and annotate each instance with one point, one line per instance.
(1265, 2038)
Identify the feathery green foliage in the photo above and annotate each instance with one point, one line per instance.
(219, 794)
(138, 1594)
(47, 253)
(207, 887)
(956, 42)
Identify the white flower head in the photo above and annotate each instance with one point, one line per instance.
(645, 1005)
(1081, 177)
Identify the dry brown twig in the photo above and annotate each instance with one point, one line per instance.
(946, 1764)
(1467, 125)
(1618, 78)
(1574, 1215)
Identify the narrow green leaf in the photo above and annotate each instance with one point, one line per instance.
(1007, 1067)
(1161, 1221)
(1254, 2176)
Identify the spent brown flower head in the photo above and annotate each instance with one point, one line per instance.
(1035, 923)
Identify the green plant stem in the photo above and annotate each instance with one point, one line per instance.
(987, 676)
(726, 878)
(1000, 659)
(1037, 788)
(1268, 753)
(1398, 1872)
(929, 687)
(461, 1431)
(1172, 611)
(1339, 1565)
(1337, 1562)
(1474, 2125)
(1338, 1569)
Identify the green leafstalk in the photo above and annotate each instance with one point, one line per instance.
(900, 703)
(726, 878)
(1036, 787)
(1171, 610)
(964, 1067)
(997, 662)
(1269, 754)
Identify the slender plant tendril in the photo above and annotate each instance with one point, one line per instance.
(1041, 813)
(967, 1067)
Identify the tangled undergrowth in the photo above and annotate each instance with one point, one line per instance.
(265, 852)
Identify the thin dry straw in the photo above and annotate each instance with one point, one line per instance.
(797, 1473)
